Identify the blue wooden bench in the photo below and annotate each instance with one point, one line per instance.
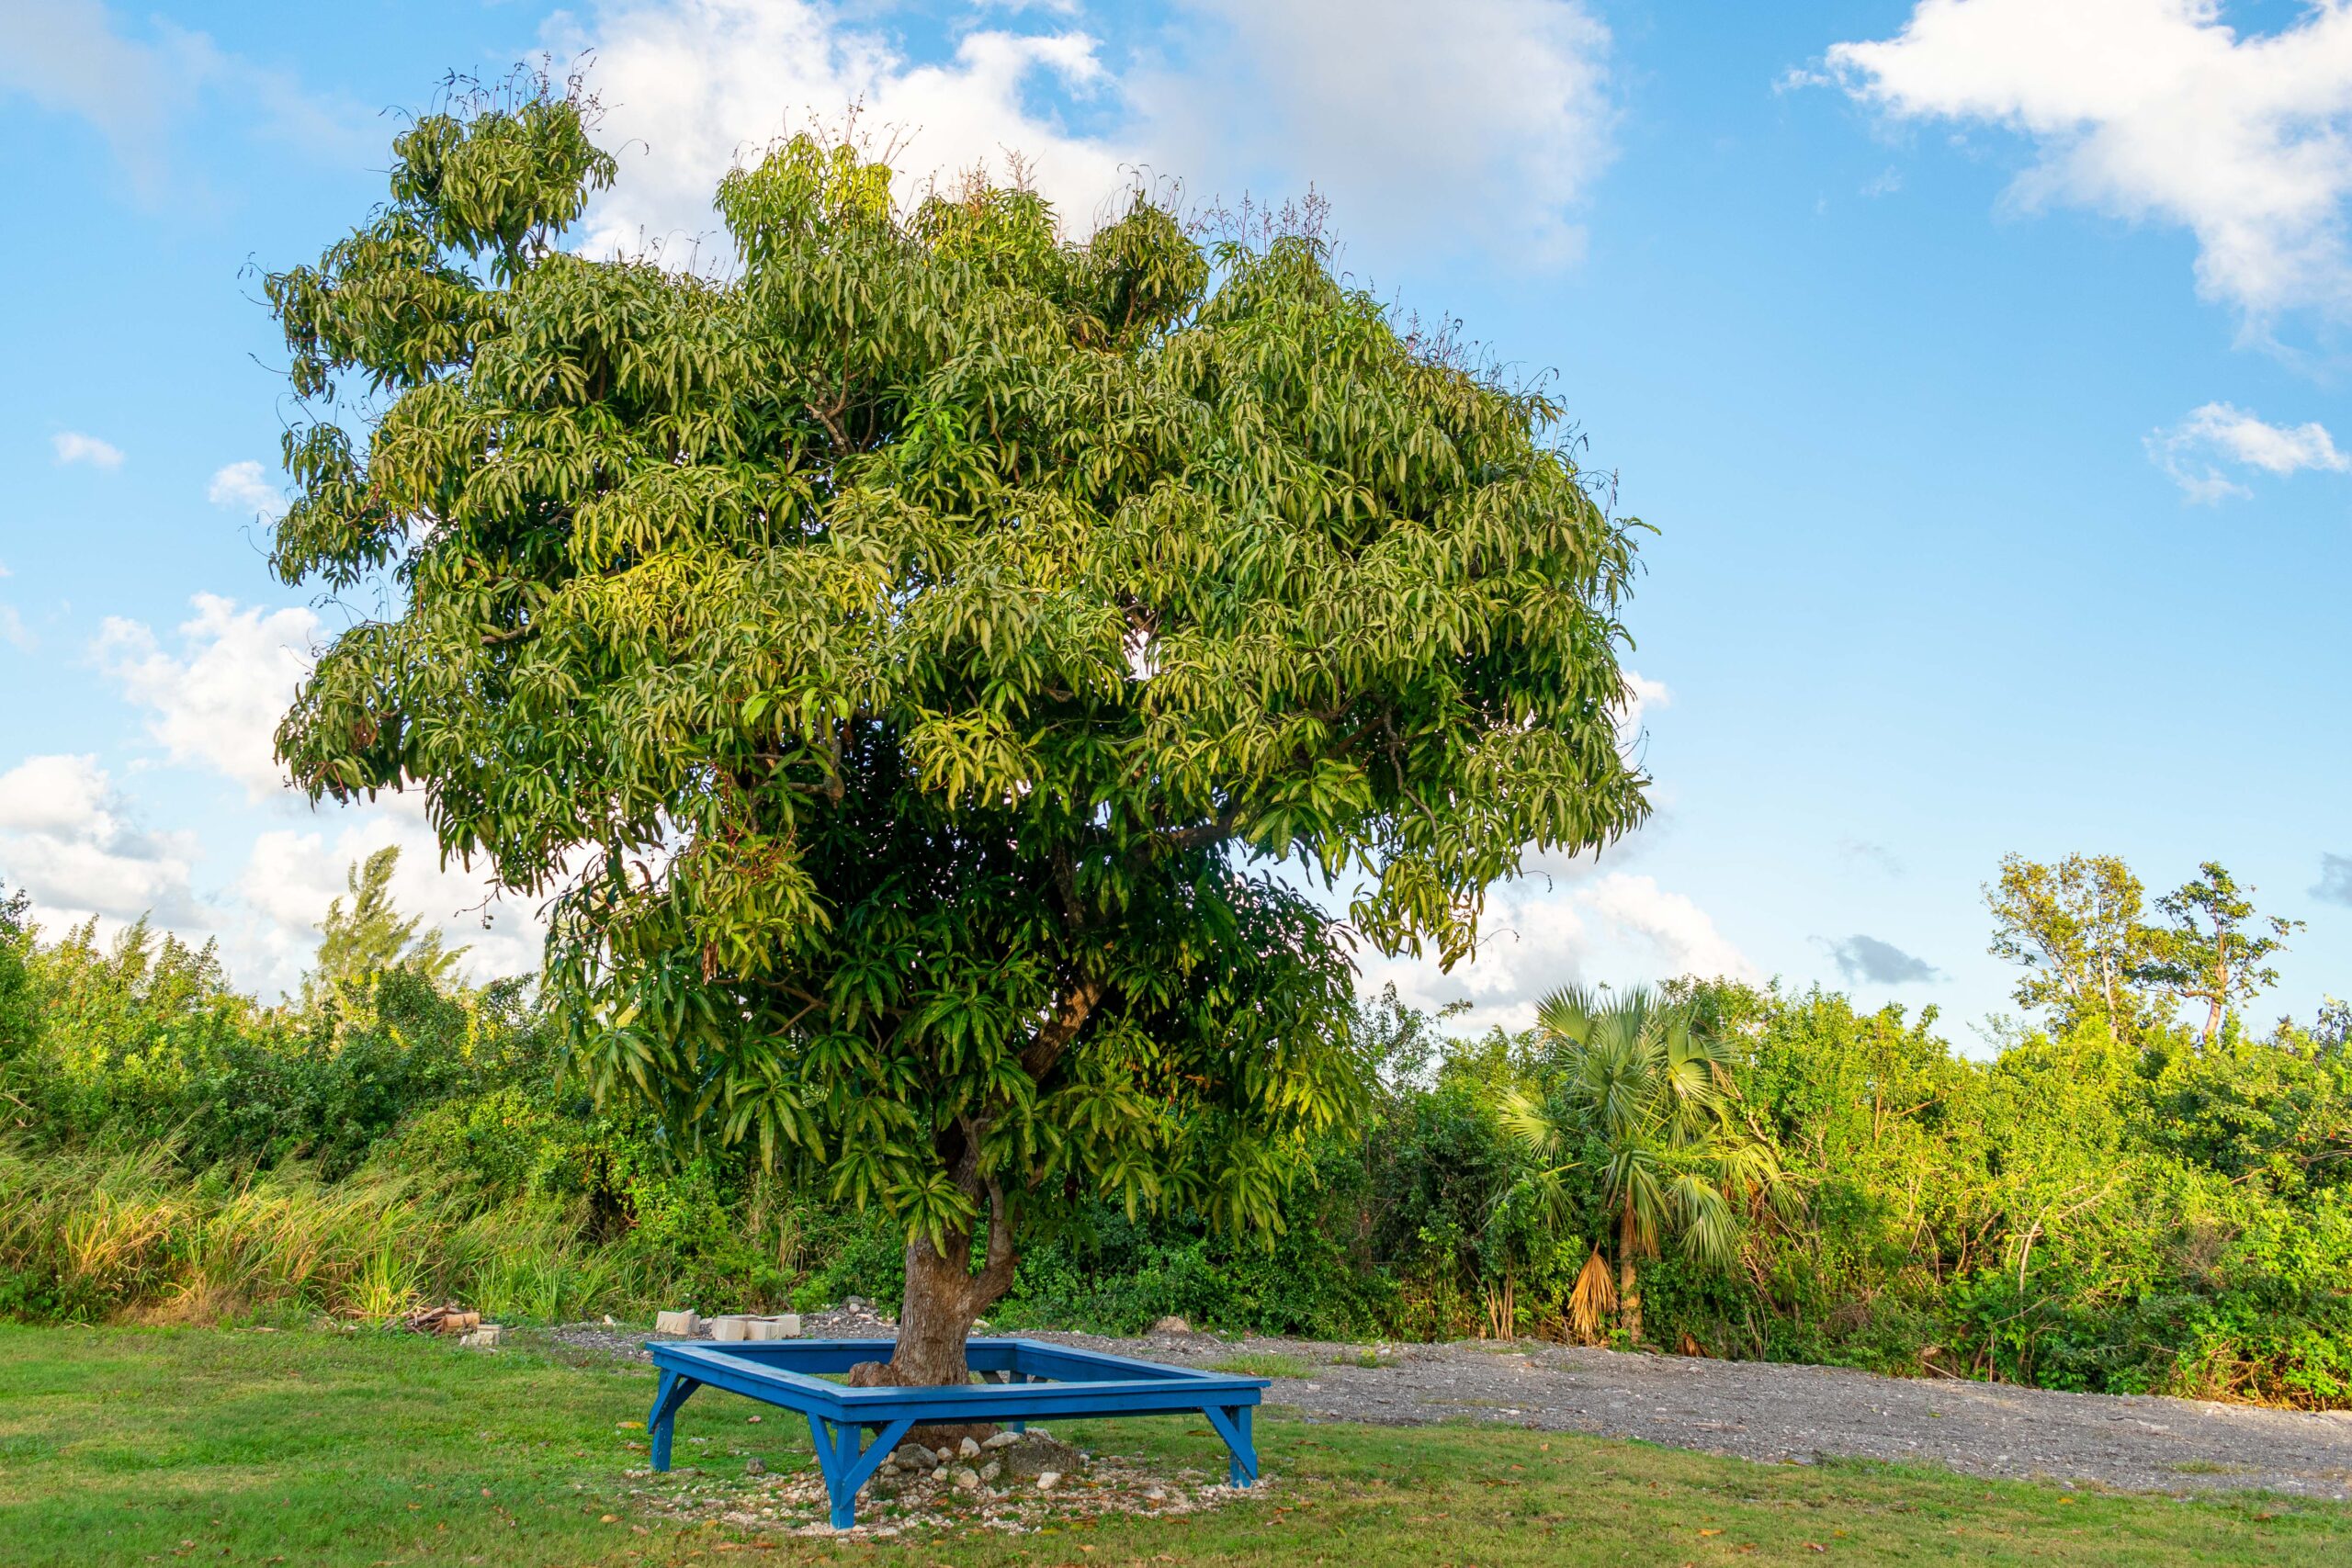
(1038, 1383)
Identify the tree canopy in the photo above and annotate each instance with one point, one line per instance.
(909, 653)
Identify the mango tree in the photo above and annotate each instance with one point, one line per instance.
(966, 689)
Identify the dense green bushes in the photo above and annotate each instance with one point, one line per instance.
(2169, 1215)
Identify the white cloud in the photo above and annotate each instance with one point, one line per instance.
(245, 487)
(215, 701)
(693, 88)
(2197, 452)
(1641, 696)
(293, 875)
(1682, 937)
(14, 632)
(2152, 110)
(67, 56)
(1478, 123)
(214, 697)
(73, 447)
(70, 839)
(72, 57)
(1541, 933)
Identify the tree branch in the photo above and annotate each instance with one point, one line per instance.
(1054, 1036)
(1202, 834)
(996, 1278)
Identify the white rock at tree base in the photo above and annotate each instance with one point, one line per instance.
(1002, 1440)
(966, 1479)
(991, 1471)
(967, 1448)
(1048, 1479)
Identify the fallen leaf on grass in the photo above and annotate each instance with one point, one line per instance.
(1710, 1532)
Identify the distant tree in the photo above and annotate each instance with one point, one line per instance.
(929, 633)
(19, 1019)
(368, 936)
(2214, 949)
(1646, 1101)
(2077, 928)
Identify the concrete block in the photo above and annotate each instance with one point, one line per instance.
(785, 1325)
(730, 1327)
(684, 1324)
(487, 1337)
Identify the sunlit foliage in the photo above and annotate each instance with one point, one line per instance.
(906, 652)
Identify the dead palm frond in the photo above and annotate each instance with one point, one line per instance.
(1594, 1298)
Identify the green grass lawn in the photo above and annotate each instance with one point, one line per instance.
(121, 1446)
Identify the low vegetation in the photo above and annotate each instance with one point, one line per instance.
(2112, 1201)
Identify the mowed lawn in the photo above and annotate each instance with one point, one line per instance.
(129, 1446)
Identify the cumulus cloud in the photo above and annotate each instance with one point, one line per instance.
(2156, 110)
(694, 86)
(2335, 885)
(1541, 934)
(214, 700)
(70, 839)
(2200, 451)
(213, 693)
(73, 447)
(1866, 959)
(245, 487)
(292, 874)
(1471, 124)
(1479, 124)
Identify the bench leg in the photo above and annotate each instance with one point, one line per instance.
(670, 1394)
(1018, 1377)
(1232, 1423)
(847, 1466)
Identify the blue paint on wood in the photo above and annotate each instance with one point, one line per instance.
(1040, 1382)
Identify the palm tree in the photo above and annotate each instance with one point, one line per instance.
(1651, 1095)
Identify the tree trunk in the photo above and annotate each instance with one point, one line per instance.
(1629, 1287)
(943, 1297)
(935, 1317)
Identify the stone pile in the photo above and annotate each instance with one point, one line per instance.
(1016, 1482)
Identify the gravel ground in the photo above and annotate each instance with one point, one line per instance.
(1757, 1410)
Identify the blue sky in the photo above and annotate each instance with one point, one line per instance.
(1975, 359)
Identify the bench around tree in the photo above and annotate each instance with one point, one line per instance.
(1039, 1382)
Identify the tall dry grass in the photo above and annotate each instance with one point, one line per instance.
(129, 1235)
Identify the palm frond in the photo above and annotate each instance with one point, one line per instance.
(1594, 1298)
(1527, 1124)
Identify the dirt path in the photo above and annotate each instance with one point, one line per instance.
(1763, 1411)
